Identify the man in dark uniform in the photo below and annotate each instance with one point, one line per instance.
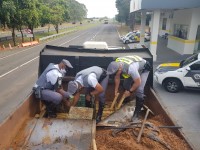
(135, 70)
(95, 79)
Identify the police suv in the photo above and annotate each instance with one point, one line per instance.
(175, 76)
(135, 37)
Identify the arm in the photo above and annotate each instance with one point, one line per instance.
(98, 89)
(61, 91)
(75, 99)
(135, 85)
(117, 81)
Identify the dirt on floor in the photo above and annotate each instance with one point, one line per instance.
(128, 141)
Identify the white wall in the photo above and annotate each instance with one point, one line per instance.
(181, 17)
(166, 15)
(135, 5)
(180, 46)
(175, 45)
(190, 17)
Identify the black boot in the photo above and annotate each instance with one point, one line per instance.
(138, 107)
(50, 109)
(100, 112)
(127, 100)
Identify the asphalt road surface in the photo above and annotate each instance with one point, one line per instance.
(18, 68)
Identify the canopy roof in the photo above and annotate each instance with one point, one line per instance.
(163, 4)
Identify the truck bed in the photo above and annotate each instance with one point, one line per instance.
(22, 131)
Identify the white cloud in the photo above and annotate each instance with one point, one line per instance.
(100, 8)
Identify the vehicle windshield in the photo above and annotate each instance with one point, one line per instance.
(128, 34)
(189, 60)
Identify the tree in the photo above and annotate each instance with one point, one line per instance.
(9, 13)
(123, 7)
(30, 14)
(58, 12)
(77, 11)
(2, 17)
(45, 15)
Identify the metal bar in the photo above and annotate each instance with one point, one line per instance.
(173, 127)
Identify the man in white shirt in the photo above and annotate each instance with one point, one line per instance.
(95, 80)
(49, 85)
(135, 70)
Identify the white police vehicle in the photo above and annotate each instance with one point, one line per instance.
(175, 76)
(135, 37)
(128, 34)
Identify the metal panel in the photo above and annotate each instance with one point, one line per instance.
(122, 115)
(58, 134)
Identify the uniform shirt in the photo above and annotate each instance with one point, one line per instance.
(133, 70)
(52, 76)
(92, 80)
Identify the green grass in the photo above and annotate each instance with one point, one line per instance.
(45, 34)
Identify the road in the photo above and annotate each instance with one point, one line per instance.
(18, 68)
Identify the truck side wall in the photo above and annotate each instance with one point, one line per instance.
(10, 127)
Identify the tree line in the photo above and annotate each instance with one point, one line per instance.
(124, 15)
(20, 14)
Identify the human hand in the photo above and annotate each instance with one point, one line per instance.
(127, 94)
(116, 91)
(88, 97)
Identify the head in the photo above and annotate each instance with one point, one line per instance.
(73, 88)
(65, 64)
(113, 67)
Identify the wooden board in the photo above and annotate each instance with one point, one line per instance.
(81, 113)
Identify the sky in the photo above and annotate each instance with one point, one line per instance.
(100, 8)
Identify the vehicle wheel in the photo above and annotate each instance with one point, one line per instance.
(126, 42)
(172, 85)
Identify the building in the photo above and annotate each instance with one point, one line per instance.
(178, 18)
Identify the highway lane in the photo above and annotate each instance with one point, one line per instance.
(18, 68)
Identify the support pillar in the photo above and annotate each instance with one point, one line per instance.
(154, 33)
(142, 27)
(192, 32)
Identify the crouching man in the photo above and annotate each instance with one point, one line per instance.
(48, 87)
(95, 80)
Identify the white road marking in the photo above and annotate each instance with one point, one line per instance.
(18, 67)
(18, 52)
(33, 58)
(118, 32)
(72, 39)
(34, 47)
(94, 36)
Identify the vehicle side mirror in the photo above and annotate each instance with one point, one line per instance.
(188, 68)
(181, 63)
